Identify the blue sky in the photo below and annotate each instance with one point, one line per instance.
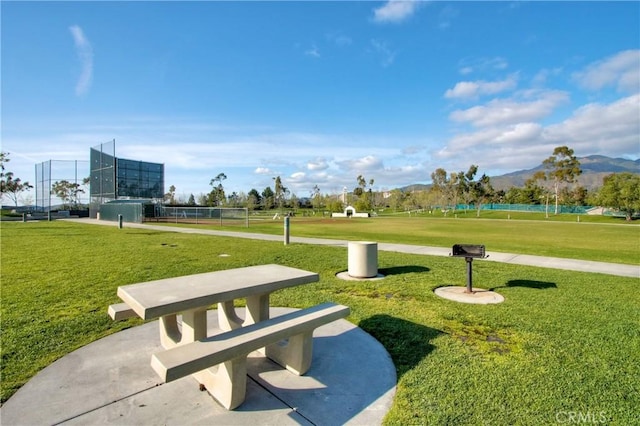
(319, 92)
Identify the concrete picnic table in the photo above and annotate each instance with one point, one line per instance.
(191, 295)
(218, 362)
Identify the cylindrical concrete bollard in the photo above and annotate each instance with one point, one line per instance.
(363, 259)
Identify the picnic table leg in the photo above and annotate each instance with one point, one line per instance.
(227, 317)
(194, 327)
(257, 310)
(170, 334)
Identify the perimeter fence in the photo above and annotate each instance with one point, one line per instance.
(50, 172)
(222, 216)
(540, 208)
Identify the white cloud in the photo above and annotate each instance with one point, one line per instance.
(511, 110)
(361, 165)
(608, 129)
(470, 65)
(541, 78)
(474, 89)
(621, 70)
(313, 52)
(413, 149)
(395, 11)
(317, 164)
(85, 54)
(339, 39)
(445, 17)
(521, 132)
(602, 128)
(263, 171)
(384, 51)
(466, 70)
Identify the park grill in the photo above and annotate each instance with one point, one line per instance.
(469, 252)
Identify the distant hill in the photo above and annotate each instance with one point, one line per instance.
(594, 169)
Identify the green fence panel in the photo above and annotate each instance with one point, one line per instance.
(130, 212)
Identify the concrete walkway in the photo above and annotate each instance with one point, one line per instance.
(516, 259)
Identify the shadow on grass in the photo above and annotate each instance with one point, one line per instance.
(408, 343)
(539, 285)
(408, 269)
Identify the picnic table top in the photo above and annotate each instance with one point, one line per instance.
(153, 299)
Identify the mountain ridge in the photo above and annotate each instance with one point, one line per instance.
(594, 169)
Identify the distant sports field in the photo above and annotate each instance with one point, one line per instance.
(596, 238)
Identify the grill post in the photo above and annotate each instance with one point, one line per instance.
(469, 252)
(469, 274)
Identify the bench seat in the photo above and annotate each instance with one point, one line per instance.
(229, 351)
(121, 311)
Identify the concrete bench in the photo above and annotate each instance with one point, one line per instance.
(121, 311)
(228, 351)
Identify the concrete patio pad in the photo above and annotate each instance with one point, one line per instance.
(351, 381)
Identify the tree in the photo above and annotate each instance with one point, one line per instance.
(294, 202)
(364, 196)
(280, 192)
(234, 199)
(576, 196)
(542, 189)
(216, 196)
(4, 158)
(466, 185)
(192, 200)
(561, 167)
(171, 195)
(480, 191)
(203, 199)
(621, 191)
(396, 199)
(446, 188)
(267, 198)
(316, 198)
(10, 186)
(253, 199)
(335, 205)
(68, 192)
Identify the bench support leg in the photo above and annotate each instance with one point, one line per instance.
(294, 355)
(194, 327)
(227, 383)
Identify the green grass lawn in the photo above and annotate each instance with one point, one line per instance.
(613, 240)
(561, 342)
